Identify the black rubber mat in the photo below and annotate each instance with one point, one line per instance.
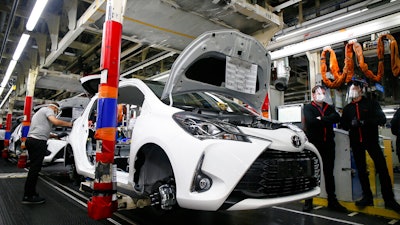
(60, 209)
(57, 210)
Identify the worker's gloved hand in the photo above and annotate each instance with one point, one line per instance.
(357, 123)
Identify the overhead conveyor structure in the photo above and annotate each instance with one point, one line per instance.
(360, 21)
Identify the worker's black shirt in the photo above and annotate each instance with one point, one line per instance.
(319, 131)
(370, 115)
(395, 128)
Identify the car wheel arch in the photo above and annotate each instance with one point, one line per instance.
(152, 165)
(68, 155)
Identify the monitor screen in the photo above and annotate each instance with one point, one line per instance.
(290, 113)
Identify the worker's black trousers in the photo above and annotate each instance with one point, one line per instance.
(327, 152)
(36, 150)
(376, 154)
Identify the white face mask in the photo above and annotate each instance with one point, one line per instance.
(353, 94)
(319, 98)
(319, 95)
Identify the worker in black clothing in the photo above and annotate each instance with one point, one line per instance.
(318, 119)
(395, 128)
(361, 117)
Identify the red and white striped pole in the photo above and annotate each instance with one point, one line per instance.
(26, 123)
(104, 200)
(7, 136)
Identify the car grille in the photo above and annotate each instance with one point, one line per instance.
(278, 173)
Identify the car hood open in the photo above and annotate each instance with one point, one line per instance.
(91, 83)
(223, 61)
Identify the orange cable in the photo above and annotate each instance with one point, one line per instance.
(334, 69)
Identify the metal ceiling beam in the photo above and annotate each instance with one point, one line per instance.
(130, 50)
(135, 40)
(58, 93)
(92, 14)
(46, 72)
(278, 8)
(8, 29)
(54, 80)
(148, 62)
(88, 51)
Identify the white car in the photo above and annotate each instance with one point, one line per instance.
(193, 146)
(14, 147)
(54, 151)
(55, 147)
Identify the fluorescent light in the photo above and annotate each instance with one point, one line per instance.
(319, 42)
(8, 95)
(389, 110)
(21, 45)
(35, 14)
(9, 71)
(319, 24)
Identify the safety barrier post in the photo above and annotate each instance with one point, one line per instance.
(7, 136)
(26, 122)
(104, 200)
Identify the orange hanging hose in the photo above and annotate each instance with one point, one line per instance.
(394, 58)
(394, 52)
(348, 69)
(364, 67)
(339, 78)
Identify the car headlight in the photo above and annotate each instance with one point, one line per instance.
(204, 128)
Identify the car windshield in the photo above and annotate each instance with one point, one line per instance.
(156, 86)
(204, 101)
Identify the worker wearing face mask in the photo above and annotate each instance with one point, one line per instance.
(36, 143)
(361, 117)
(318, 120)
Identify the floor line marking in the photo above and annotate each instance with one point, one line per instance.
(13, 175)
(353, 214)
(315, 215)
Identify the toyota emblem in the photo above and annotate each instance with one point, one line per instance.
(296, 141)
